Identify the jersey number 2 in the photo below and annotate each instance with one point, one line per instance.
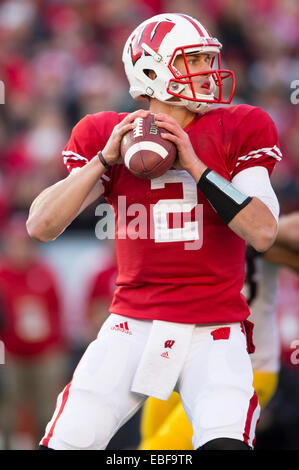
(190, 230)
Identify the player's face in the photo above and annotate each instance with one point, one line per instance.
(197, 63)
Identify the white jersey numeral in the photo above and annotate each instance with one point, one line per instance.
(190, 230)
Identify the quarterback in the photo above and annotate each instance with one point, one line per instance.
(178, 320)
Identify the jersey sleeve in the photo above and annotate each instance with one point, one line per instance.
(83, 144)
(254, 143)
(87, 138)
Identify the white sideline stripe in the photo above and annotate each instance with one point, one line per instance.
(144, 145)
(73, 155)
(105, 177)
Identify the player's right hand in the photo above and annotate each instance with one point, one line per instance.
(111, 151)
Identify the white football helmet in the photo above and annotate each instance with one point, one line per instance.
(155, 44)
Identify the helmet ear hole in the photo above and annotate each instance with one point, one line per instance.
(150, 73)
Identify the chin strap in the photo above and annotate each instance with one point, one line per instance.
(197, 107)
(192, 106)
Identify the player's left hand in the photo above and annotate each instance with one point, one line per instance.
(187, 158)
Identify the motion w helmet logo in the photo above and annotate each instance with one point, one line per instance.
(152, 34)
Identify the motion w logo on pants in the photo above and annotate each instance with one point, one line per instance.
(169, 343)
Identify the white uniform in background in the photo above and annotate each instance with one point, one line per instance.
(263, 310)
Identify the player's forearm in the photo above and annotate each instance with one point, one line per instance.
(56, 207)
(256, 225)
(248, 217)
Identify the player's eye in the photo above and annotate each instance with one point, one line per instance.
(207, 58)
(202, 58)
(192, 60)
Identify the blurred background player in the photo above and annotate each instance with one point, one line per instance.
(164, 425)
(31, 330)
(261, 291)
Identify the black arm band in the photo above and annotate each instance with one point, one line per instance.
(103, 161)
(222, 195)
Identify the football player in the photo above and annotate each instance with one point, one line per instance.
(164, 425)
(178, 318)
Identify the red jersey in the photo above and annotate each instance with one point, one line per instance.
(29, 309)
(184, 264)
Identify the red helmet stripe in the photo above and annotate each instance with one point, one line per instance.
(203, 32)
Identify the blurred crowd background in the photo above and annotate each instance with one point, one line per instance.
(59, 60)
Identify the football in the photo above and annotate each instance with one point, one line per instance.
(144, 152)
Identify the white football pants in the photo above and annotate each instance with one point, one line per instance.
(215, 385)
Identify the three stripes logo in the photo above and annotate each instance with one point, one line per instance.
(123, 327)
(165, 354)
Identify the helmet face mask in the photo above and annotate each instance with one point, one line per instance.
(156, 44)
(215, 76)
